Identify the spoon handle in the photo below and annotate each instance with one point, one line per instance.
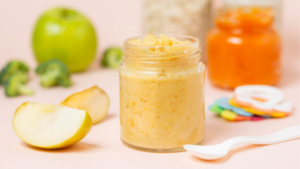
(279, 136)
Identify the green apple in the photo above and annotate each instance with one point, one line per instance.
(94, 100)
(67, 35)
(51, 126)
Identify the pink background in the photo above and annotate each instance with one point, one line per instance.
(116, 20)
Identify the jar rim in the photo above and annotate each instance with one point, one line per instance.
(193, 40)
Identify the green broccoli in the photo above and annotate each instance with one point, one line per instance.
(15, 85)
(112, 57)
(11, 68)
(54, 72)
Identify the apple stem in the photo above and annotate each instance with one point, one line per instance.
(65, 13)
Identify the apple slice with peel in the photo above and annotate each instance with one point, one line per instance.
(50, 126)
(94, 100)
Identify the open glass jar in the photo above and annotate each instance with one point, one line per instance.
(162, 95)
(244, 47)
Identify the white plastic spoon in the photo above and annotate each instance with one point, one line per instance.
(221, 150)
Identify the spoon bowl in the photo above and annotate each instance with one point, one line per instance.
(207, 152)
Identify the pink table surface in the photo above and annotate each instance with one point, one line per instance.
(102, 147)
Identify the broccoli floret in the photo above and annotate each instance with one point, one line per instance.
(11, 68)
(53, 73)
(15, 85)
(112, 57)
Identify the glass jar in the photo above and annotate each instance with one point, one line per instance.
(177, 16)
(162, 96)
(243, 47)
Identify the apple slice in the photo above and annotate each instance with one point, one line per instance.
(94, 100)
(50, 126)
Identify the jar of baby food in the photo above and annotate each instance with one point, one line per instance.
(177, 16)
(161, 93)
(244, 47)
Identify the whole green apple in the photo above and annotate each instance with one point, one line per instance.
(67, 35)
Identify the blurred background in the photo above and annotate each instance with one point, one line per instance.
(114, 21)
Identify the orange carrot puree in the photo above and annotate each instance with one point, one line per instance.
(243, 48)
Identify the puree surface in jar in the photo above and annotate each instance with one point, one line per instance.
(161, 93)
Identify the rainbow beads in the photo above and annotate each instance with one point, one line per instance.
(229, 115)
(252, 103)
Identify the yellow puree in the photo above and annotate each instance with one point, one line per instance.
(162, 108)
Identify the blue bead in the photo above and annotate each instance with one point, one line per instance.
(223, 103)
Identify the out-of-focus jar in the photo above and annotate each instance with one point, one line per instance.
(243, 47)
(179, 17)
(161, 93)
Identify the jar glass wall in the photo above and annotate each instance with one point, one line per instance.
(162, 95)
(244, 47)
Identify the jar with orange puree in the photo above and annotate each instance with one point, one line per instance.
(244, 48)
(161, 93)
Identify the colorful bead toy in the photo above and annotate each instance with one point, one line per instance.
(252, 103)
(232, 116)
(223, 103)
(262, 100)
